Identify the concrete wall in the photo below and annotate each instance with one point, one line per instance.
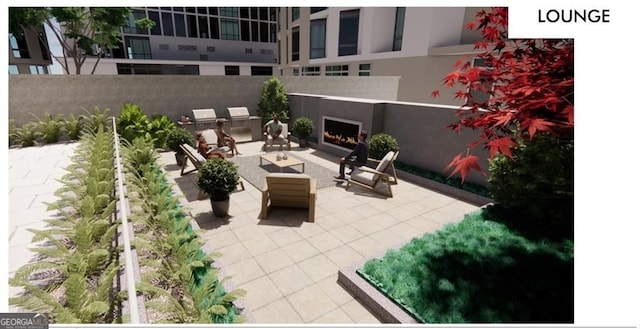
(173, 96)
(420, 129)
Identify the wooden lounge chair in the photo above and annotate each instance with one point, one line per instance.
(289, 190)
(370, 178)
(212, 141)
(285, 134)
(194, 157)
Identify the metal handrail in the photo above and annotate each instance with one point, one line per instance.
(126, 236)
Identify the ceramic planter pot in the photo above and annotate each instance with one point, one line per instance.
(220, 208)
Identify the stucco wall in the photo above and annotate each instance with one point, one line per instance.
(420, 129)
(173, 95)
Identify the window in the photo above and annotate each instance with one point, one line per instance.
(364, 70)
(229, 11)
(480, 90)
(244, 30)
(213, 10)
(37, 69)
(229, 29)
(318, 38)
(317, 9)
(273, 14)
(295, 44)
(231, 70)
(264, 32)
(13, 69)
(336, 70)
(215, 30)
(138, 48)
(131, 26)
(192, 26)
(244, 12)
(180, 30)
(128, 69)
(348, 36)
(203, 27)
(155, 17)
(296, 72)
(264, 13)
(19, 47)
(261, 70)
(399, 28)
(295, 13)
(273, 37)
(255, 35)
(254, 12)
(44, 48)
(311, 70)
(167, 24)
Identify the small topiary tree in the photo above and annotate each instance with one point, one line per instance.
(302, 128)
(380, 144)
(273, 100)
(218, 178)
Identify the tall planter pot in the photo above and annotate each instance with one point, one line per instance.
(220, 208)
(179, 158)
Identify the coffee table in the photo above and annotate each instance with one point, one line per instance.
(282, 163)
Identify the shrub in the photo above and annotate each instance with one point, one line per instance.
(380, 144)
(97, 119)
(133, 123)
(50, 128)
(160, 127)
(177, 137)
(302, 127)
(73, 125)
(26, 135)
(273, 100)
(536, 187)
(218, 178)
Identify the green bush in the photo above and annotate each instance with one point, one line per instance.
(73, 125)
(536, 187)
(273, 100)
(177, 137)
(160, 127)
(380, 144)
(50, 128)
(302, 127)
(479, 271)
(97, 119)
(133, 123)
(218, 178)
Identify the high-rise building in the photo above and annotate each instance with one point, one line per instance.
(28, 52)
(418, 44)
(198, 41)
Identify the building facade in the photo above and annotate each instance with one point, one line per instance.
(198, 41)
(28, 52)
(418, 44)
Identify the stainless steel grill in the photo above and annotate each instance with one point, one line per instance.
(204, 118)
(244, 127)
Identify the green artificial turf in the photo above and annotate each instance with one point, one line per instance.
(478, 271)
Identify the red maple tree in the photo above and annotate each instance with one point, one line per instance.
(530, 83)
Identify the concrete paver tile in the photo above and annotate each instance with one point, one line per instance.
(279, 311)
(244, 271)
(336, 316)
(260, 292)
(311, 303)
(274, 260)
(331, 286)
(318, 267)
(285, 236)
(259, 245)
(346, 233)
(233, 254)
(358, 313)
(324, 241)
(301, 250)
(290, 279)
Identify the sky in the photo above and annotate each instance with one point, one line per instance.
(606, 134)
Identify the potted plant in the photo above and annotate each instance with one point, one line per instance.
(218, 178)
(302, 128)
(177, 137)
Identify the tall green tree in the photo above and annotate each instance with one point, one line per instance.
(273, 100)
(82, 32)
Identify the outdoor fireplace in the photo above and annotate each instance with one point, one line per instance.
(340, 132)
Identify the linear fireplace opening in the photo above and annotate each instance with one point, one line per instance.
(340, 133)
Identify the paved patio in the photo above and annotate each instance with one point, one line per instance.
(288, 266)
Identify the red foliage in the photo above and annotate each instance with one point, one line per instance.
(532, 89)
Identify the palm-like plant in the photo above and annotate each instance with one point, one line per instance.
(96, 119)
(73, 125)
